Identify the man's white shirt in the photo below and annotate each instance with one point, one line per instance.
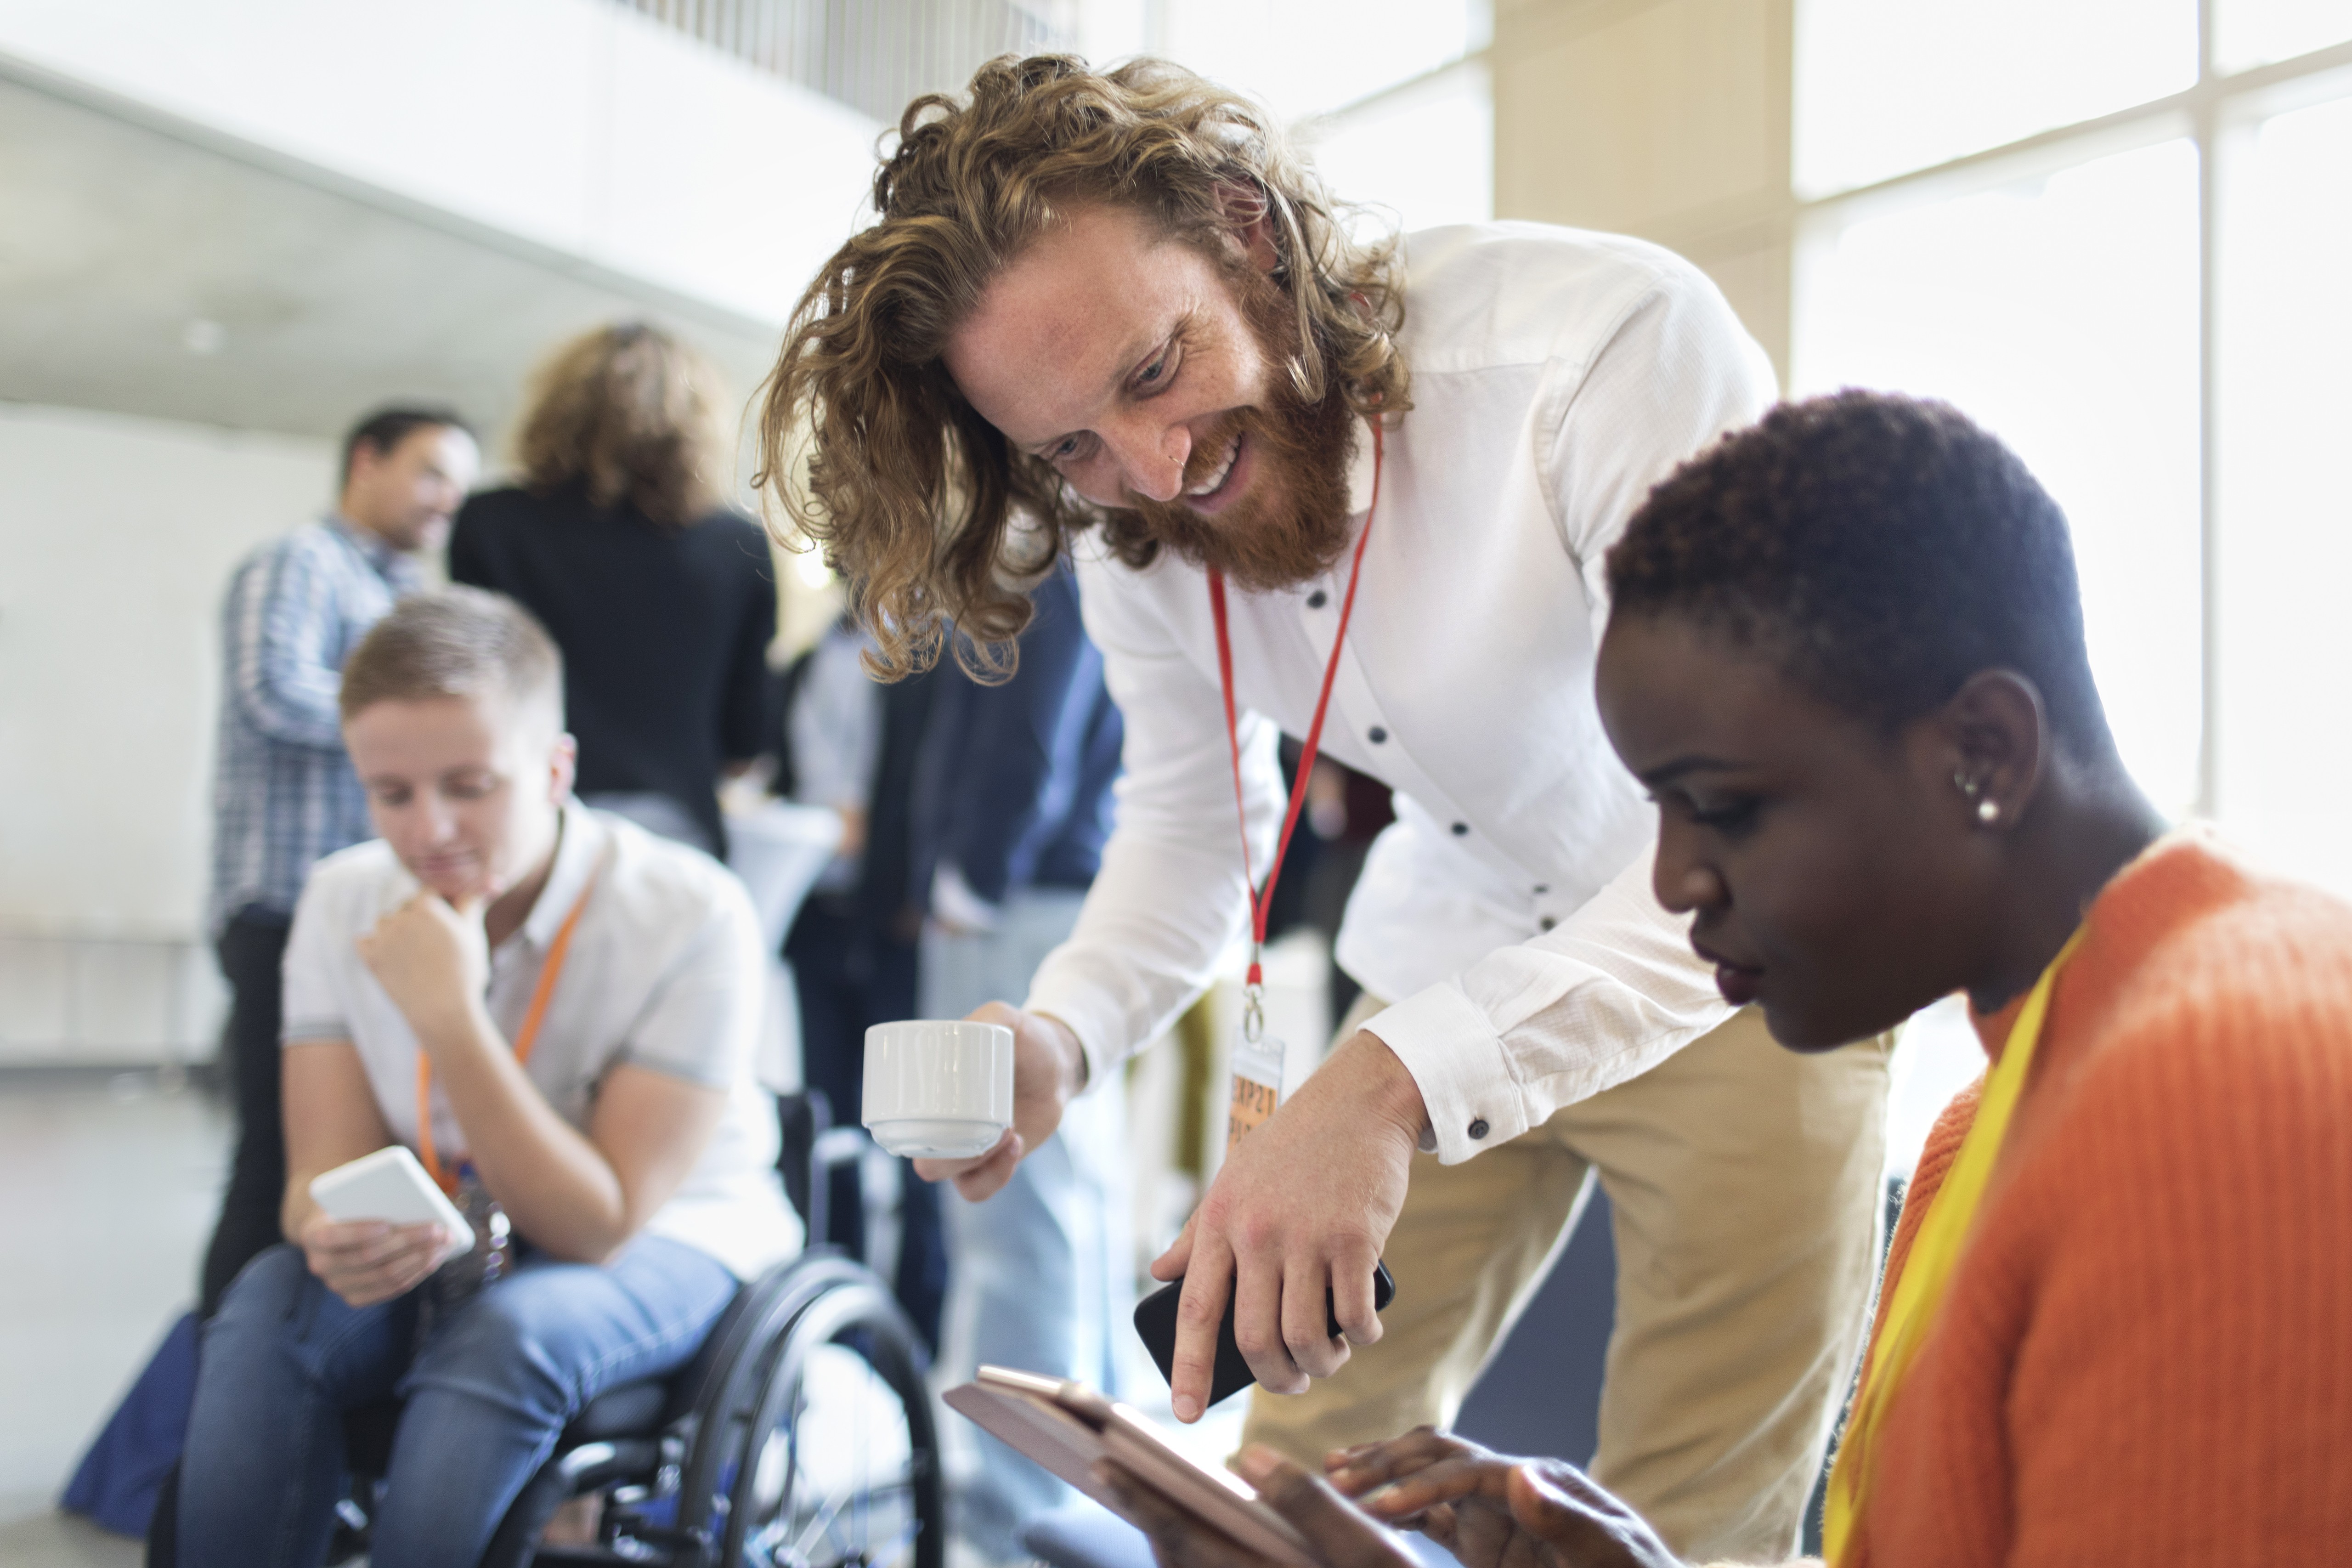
(1557, 376)
(665, 971)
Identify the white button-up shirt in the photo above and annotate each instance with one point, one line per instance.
(1556, 376)
(665, 971)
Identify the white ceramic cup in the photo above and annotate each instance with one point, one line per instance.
(938, 1091)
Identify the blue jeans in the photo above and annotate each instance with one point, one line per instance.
(487, 1396)
(1041, 1275)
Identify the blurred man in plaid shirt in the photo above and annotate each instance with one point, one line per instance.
(283, 792)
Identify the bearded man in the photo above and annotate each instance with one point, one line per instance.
(1114, 314)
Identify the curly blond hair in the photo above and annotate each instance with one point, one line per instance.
(631, 413)
(912, 495)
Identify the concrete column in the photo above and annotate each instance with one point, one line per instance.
(1668, 119)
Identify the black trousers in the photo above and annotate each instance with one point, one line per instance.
(252, 952)
(848, 979)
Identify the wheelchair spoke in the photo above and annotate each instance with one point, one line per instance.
(838, 1477)
(820, 1544)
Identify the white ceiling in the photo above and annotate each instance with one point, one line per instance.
(148, 270)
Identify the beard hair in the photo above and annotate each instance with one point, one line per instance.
(1293, 524)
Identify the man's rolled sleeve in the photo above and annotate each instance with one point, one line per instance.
(1609, 994)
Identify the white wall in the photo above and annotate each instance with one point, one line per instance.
(573, 134)
(117, 536)
(577, 125)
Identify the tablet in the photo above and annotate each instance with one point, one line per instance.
(1068, 1427)
(389, 1185)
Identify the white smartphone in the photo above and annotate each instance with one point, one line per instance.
(389, 1185)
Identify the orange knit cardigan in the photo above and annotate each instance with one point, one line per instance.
(2145, 1353)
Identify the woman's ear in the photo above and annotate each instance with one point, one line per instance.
(1997, 733)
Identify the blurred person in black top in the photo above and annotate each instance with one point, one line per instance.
(663, 600)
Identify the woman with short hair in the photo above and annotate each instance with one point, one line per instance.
(1846, 658)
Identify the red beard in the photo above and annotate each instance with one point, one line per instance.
(1293, 523)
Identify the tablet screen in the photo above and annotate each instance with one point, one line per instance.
(1068, 1428)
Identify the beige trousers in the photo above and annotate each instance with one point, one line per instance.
(1744, 1181)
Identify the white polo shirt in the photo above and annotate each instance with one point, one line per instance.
(665, 972)
(1557, 376)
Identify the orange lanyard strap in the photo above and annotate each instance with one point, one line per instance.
(1262, 899)
(525, 1037)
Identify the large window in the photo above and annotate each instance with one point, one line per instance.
(2283, 584)
(1391, 97)
(2119, 232)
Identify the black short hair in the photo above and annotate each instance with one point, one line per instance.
(1881, 550)
(387, 427)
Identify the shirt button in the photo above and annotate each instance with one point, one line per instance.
(1377, 735)
(1318, 599)
(1546, 922)
(1461, 829)
(1478, 1128)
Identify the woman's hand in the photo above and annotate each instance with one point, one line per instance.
(1460, 1500)
(367, 1260)
(1496, 1512)
(1338, 1533)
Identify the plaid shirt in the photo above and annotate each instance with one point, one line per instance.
(283, 791)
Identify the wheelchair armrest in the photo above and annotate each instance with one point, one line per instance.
(840, 1146)
(831, 1151)
(803, 1117)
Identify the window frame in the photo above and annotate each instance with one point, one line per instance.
(2216, 115)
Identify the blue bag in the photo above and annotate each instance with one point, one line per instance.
(115, 1486)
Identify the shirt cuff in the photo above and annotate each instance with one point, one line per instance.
(1094, 1026)
(1460, 1065)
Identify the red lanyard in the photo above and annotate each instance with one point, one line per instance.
(525, 1037)
(1262, 899)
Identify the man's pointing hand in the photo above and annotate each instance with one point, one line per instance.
(1303, 1205)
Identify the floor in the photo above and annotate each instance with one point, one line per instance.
(114, 1181)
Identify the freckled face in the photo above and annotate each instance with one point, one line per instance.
(1826, 865)
(1123, 358)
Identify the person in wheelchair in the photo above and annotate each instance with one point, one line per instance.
(556, 1011)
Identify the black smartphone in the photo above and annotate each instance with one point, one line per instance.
(1155, 1321)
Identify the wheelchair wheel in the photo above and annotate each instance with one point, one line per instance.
(827, 1455)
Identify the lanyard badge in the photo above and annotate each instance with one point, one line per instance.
(1257, 1061)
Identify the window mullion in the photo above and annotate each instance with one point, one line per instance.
(2207, 120)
